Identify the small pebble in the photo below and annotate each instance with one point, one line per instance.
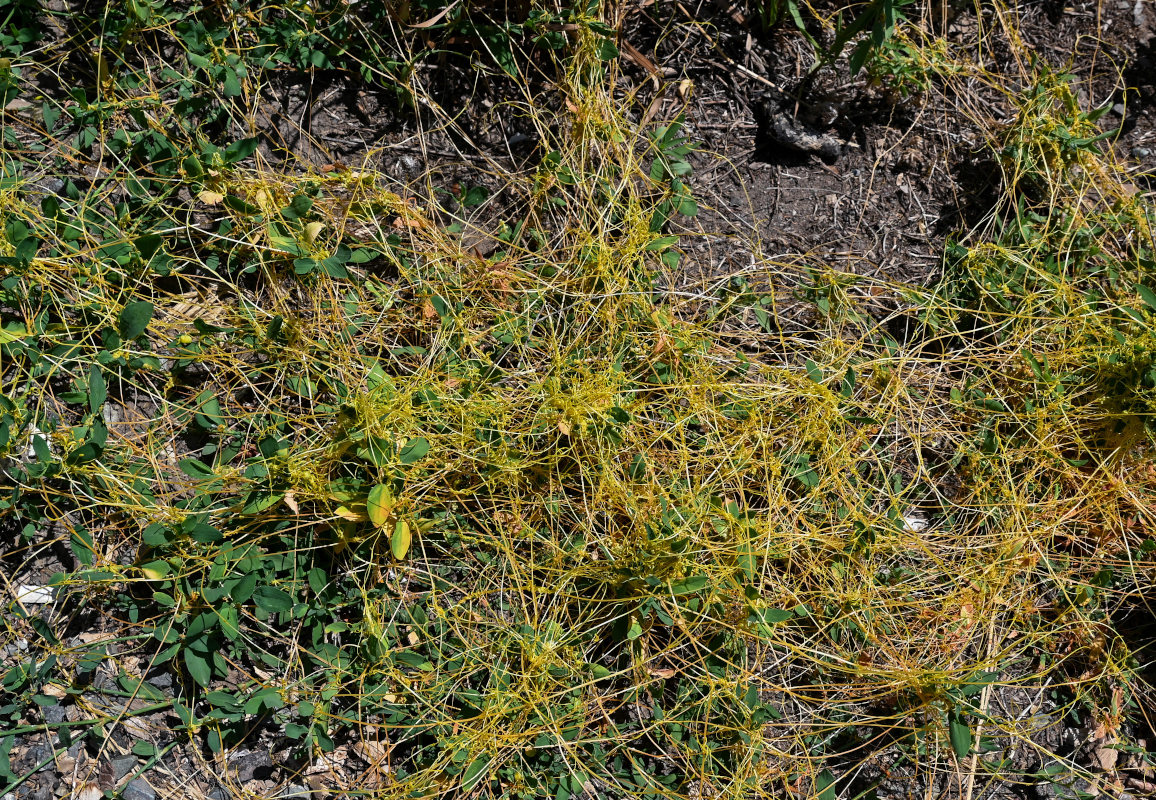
(1119, 109)
(1141, 152)
(296, 790)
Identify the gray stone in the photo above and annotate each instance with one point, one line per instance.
(298, 792)
(54, 715)
(1140, 153)
(162, 680)
(138, 790)
(251, 764)
(123, 766)
(220, 793)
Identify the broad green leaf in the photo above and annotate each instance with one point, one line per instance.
(203, 533)
(12, 333)
(270, 598)
(634, 631)
(135, 318)
(230, 622)
(198, 667)
(240, 150)
(379, 504)
(607, 51)
(960, 734)
(1147, 295)
(97, 392)
(143, 748)
(473, 774)
(688, 585)
(259, 500)
(414, 450)
(661, 243)
(399, 542)
(195, 468)
(825, 785)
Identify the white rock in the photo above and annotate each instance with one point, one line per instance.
(913, 522)
(34, 595)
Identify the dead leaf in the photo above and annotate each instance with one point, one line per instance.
(209, 197)
(87, 791)
(373, 753)
(436, 18)
(1104, 756)
(291, 501)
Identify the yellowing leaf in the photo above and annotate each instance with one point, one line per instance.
(264, 201)
(379, 505)
(399, 542)
(209, 197)
(14, 334)
(312, 231)
(347, 513)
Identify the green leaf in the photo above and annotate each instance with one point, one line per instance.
(813, 371)
(607, 51)
(208, 410)
(400, 540)
(97, 392)
(82, 546)
(195, 468)
(414, 450)
(198, 667)
(144, 749)
(231, 87)
(260, 500)
(688, 585)
(1147, 295)
(379, 504)
(960, 734)
(634, 631)
(142, 689)
(661, 243)
(203, 533)
(239, 150)
(270, 598)
(12, 332)
(825, 785)
(135, 318)
(230, 622)
(473, 774)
